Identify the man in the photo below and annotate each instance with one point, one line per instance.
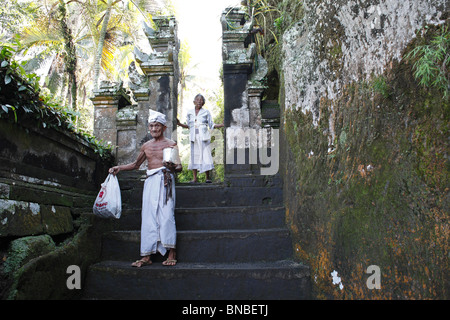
(158, 232)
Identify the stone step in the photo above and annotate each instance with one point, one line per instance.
(213, 218)
(230, 218)
(253, 180)
(208, 245)
(129, 179)
(237, 190)
(270, 114)
(279, 280)
(204, 195)
(219, 196)
(232, 243)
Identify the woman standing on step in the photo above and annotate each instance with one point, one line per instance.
(199, 121)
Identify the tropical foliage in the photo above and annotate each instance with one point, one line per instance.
(73, 44)
(432, 59)
(21, 100)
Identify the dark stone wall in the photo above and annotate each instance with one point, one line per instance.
(49, 180)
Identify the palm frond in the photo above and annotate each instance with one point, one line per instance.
(41, 32)
(107, 61)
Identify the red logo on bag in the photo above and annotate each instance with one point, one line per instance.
(101, 205)
(102, 194)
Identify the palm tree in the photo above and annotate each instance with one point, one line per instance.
(50, 30)
(101, 42)
(140, 6)
(71, 46)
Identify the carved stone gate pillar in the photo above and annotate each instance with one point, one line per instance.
(125, 124)
(161, 71)
(107, 101)
(242, 93)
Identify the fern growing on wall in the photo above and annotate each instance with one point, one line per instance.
(431, 61)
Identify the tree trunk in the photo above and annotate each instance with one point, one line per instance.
(70, 58)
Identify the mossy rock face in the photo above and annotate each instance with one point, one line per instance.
(38, 269)
(22, 250)
(366, 168)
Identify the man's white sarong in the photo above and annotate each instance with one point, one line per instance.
(158, 231)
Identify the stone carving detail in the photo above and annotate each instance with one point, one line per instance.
(165, 44)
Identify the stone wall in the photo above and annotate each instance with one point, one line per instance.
(364, 147)
(48, 180)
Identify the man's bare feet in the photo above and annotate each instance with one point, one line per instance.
(145, 261)
(171, 258)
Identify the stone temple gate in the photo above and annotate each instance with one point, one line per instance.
(121, 117)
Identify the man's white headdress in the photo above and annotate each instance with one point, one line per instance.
(157, 117)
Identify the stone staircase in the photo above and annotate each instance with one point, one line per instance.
(232, 243)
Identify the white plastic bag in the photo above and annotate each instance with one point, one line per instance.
(109, 201)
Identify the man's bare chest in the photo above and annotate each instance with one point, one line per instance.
(155, 150)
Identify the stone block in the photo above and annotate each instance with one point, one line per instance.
(4, 190)
(56, 220)
(105, 118)
(107, 135)
(127, 146)
(19, 218)
(40, 194)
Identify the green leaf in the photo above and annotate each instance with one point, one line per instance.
(22, 88)
(15, 113)
(4, 63)
(4, 108)
(7, 79)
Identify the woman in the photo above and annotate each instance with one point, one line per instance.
(199, 121)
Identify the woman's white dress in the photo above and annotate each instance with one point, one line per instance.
(200, 137)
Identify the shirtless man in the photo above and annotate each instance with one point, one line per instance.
(158, 222)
